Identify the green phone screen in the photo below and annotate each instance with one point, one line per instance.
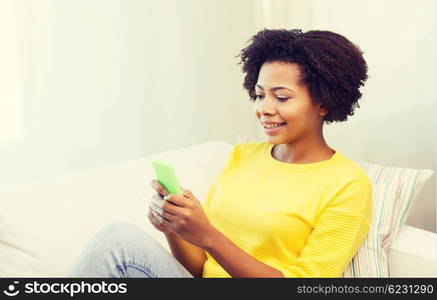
(167, 177)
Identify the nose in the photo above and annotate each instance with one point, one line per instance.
(265, 106)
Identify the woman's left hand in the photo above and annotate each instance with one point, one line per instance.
(184, 214)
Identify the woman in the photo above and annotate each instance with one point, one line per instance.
(288, 207)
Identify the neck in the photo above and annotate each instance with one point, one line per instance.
(304, 151)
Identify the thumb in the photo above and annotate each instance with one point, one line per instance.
(188, 194)
(183, 191)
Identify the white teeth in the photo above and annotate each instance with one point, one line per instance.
(273, 125)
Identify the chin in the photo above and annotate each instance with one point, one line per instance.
(275, 140)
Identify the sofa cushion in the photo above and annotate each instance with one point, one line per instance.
(394, 191)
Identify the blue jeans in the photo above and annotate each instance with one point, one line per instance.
(123, 250)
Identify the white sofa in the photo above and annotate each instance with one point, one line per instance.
(45, 225)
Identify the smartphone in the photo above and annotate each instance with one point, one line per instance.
(167, 177)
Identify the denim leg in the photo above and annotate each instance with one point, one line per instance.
(124, 250)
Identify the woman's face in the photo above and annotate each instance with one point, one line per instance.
(281, 99)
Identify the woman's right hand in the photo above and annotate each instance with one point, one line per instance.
(153, 214)
(153, 218)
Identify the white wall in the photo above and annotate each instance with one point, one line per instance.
(105, 81)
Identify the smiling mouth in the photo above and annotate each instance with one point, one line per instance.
(272, 126)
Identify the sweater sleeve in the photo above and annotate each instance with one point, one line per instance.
(337, 235)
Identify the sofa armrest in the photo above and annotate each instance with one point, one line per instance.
(413, 253)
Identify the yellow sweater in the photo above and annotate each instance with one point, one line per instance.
(305, 220)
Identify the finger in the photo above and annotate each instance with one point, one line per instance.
(155, 208)
(158, 187)
(162, 212)
(160, 205)
(168, 224)
(157, 201)
(169, 212)
(151, 214)
(153, 219)
(163, 216)
(157, 217)
(188, 194)
(156, 220)
(171, 208)
(177, 200)
(169, 217)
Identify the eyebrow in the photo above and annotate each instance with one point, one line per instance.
(276, 88)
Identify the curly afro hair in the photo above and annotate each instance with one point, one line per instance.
(331, 66)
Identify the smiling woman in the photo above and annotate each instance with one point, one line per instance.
(289, 207)
(302, 80)
(293, 203)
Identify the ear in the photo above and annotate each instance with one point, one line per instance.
(322, 111)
